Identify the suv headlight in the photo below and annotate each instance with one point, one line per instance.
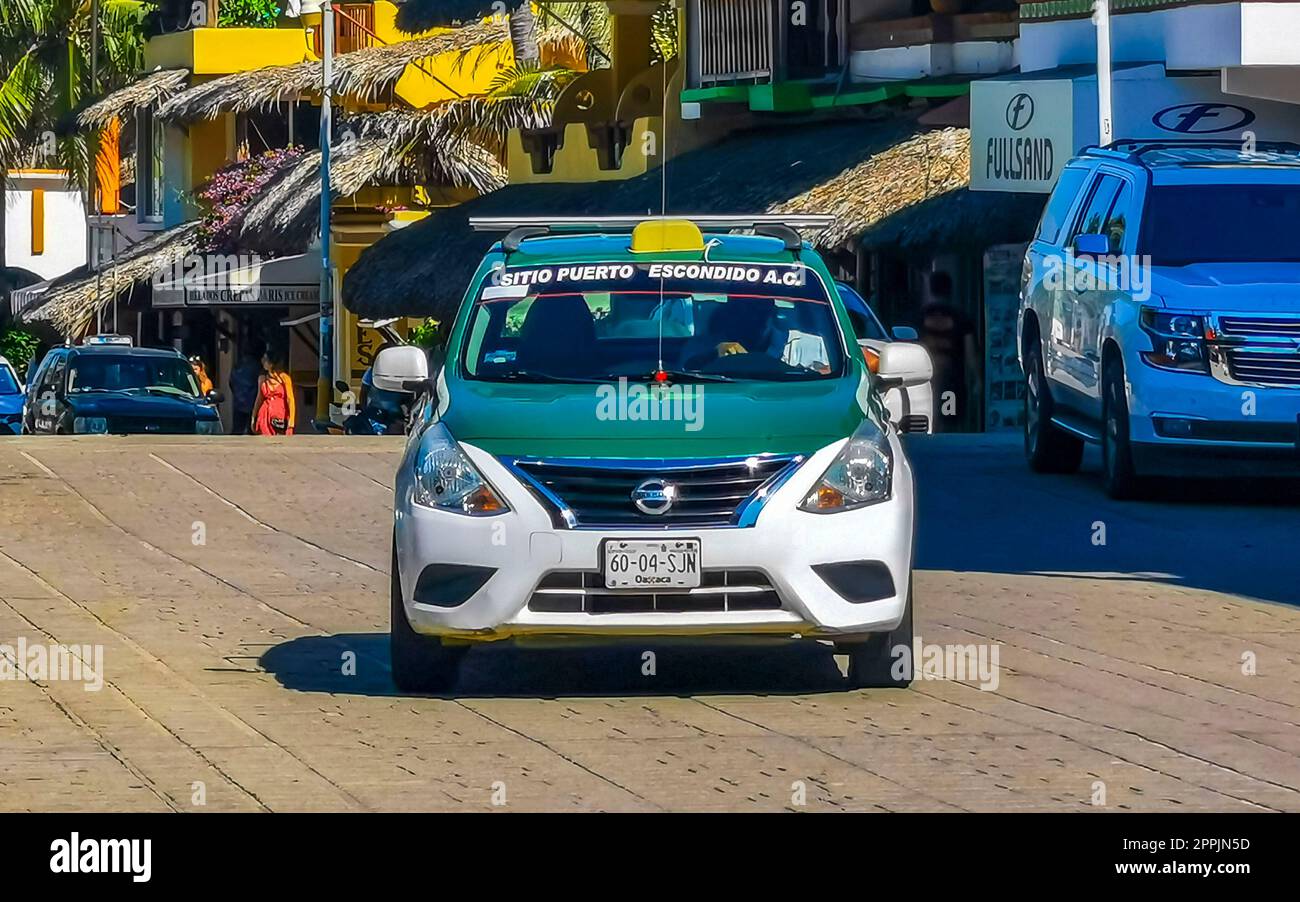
(1177, 339)
(861, 474)
(90, 425)
(208, 427)
(446, 480)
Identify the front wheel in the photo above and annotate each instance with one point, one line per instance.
(1120, 478)
(420, 664)
(874, 664)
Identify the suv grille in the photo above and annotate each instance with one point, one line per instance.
(1264, 367)
(584, 592)
(600, 494)
(1259, 325)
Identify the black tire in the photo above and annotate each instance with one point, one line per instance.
(1047, 448)
(420, 664)
(1118, 474)
(871, 663)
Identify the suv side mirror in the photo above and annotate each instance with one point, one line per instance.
(215, 397)
(401, 369)
(1091, 244)
(904, 333)
(902, 365)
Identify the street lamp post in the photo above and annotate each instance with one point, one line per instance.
(325, 379)
(1105, 121)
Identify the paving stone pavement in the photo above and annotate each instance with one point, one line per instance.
(230, 581)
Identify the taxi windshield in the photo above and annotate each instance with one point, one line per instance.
(139, 374)
(693, 322)
(8, 382)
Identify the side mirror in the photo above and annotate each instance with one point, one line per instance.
(342, 386)
(902, 365)
(215, 397)
(904, 333)
(1091, 245)
(401, 369)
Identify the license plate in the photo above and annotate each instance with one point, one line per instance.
(653, 565)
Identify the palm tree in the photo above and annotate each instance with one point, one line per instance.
(45, 73)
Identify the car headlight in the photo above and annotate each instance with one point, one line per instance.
(90, 425)
(1177, 340)
(446, 480)
(861, 474)
(208, 427)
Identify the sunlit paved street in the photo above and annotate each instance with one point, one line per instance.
(232, 583)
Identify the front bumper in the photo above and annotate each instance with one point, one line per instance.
(522, 548)
(1196, 425)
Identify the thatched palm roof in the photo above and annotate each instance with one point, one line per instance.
(146, 92)
(70, 303)
(365, 74)
(389, 149)
(423, 269)
(923, 166)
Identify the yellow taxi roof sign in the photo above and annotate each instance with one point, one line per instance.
(664, 235)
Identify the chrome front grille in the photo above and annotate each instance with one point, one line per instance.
(1263, 326)
(705, 493)
(1264, 367)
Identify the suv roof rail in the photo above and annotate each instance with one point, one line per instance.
(1132, 149)
(538, 226)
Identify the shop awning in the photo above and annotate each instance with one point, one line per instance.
(863, 172)
(241, 280)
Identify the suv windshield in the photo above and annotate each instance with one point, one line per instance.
(698, 321)
(1235, 223)
(123, 372)
(8, 384)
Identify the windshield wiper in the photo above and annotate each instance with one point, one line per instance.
(688, 376)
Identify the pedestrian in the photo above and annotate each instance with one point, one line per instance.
(243, 392)
(201, 375)
(949, 336)
(274, 410)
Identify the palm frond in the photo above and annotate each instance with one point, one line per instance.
(20, 96)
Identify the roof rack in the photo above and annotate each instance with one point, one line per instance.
(546, 225)
(1132, 150)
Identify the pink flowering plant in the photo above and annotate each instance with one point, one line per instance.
(233, 189)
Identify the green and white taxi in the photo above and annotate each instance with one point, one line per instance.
(652, 428)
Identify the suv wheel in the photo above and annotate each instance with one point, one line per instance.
(420, 664)
(871, 663)
(1121, 480)
(1047, 448)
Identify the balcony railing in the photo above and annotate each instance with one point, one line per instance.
(737, 41)
(354, 28)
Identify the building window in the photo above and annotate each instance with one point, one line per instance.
(151, 139)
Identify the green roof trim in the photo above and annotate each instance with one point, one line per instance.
(936, 88)
(1069, 9)
(801, 96)
(717, 94)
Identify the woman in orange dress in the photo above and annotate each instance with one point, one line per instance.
(274, 410)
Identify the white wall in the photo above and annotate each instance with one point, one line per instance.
(65, 226)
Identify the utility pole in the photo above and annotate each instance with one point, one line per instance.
(1105, 120)
(92, 243)
(325, 380)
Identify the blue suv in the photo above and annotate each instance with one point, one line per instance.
(1160, 314)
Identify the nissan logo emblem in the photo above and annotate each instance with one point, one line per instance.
(654, 497)
(1020, 112)
(1203, 118)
